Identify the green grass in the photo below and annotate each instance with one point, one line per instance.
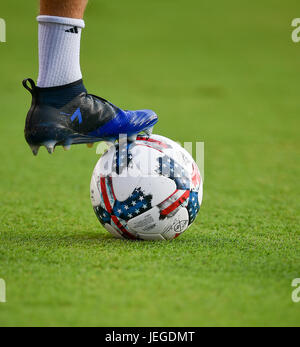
(226, 73)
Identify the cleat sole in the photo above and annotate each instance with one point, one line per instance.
(72, 139)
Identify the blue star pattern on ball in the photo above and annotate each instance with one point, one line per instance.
(136, 204)
(102, 215)
(168, 167)
(193, 206)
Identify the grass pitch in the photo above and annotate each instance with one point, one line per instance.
(226, 73)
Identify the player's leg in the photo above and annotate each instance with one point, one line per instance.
(62, 112)
(63, 8)
(60, 26)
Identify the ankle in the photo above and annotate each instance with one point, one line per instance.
(59, 50)
(59, 96)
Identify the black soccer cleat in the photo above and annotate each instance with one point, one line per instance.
(68, 115)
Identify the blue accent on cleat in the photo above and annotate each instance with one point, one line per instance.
(126, 122)
(77, 114)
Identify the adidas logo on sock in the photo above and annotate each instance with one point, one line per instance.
(73, 30)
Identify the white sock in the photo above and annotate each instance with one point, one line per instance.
(59, 50)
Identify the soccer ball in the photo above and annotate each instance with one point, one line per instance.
(150, 189)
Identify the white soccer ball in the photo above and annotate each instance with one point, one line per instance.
(150, 189)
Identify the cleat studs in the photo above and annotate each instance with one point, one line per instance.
(67, 147)
(90, 145)
(149, 131)
(50, 146)
(35, 149)
(132, 138)
(50, 149)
